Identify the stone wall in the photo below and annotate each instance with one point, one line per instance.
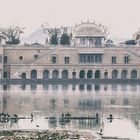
(40, 59)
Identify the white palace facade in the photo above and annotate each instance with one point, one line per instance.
(87, 58)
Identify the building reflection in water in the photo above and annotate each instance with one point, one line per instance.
(73, 87)
(97, 87)
(33, 87)
(52, 121)
(6, 98)
(92, 104)
(126, 102)
(45, 86)
(64, 86)
(79, 104)
(105, 87)
(81, 87)
(55, 86)
(112, 102)
(52, 104)
(6, 87)
(114, 87)
(89, 87)
(133, 87)
(123, 87)
(23, 86)
(66, 103)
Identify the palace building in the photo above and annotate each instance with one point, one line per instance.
(87, 58)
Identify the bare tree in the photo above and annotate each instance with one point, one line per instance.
(12, 33)
(52, 32)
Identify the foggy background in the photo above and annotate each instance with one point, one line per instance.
(120, 16)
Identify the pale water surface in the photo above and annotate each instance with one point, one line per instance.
(80, 100)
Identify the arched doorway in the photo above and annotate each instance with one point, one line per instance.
(89, 74)
(124, 74)
(34, 74)
(65, 74)
(55, 74)
(23, 75)
(82, 74)
(46, 74)
(114, 74)
(97, 74)
(133, 74)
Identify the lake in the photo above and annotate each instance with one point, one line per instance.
(112, 108)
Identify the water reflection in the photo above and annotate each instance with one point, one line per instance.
(55, 87)
(105, 87)
(45, 87)
(33, 86)
(65, 86)
(133, 87)
(89, 104)
(81, 87)
(73, 87)
(23, 86)
(97, 87)
(52, 122)
(124, 87)
(122, 101)
(114, 87)
(66, 103)
(52, 104)
(6, 87)
(89, 87)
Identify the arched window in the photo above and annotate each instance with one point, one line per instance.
(46, 74)
(114, 74)
(55, 74)
(89, 74)
(133, 74)
(33, 74)
(23, 75)
(124, 74)
(82, 74)
(97, 74)
(65, 74)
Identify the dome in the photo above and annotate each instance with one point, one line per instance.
(89, 29)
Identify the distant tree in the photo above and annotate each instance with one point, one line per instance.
(109, 41)
(57, 34)
(12, 33)
(65, 38)
(54, 33)
(130, 42)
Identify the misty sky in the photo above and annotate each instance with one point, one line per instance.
(121, 16)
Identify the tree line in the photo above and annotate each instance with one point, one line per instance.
(60, 35)
(56, 35)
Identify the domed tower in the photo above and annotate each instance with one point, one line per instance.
(89, 34)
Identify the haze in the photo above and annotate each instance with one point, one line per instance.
(120, 16)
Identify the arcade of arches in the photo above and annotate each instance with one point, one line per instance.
(82, 74)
